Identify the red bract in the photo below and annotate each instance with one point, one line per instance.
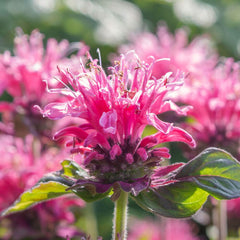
(113, 110)
(19, 170)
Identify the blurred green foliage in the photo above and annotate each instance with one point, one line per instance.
(79, 20)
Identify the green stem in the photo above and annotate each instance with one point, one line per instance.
(120, 217)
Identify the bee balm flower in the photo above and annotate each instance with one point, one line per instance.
(113, 110)
(22, 163)
(184, 55)
(22, 76)
(216, 116)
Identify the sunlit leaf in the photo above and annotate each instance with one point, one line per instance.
(215, 171)
(87, 195)
(72, 169)
(87, 192)
(39, 193)
(177, 200)
(56, 184)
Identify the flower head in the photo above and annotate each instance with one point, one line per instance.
(23, 75)
(113, 110)
(184, 55)
(216, 116)
(19, 170)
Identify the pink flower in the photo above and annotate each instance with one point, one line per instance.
(216, 107)
(114, 109)
(211, 88)
(215, 116)
(233, 208)
(20, 169)
(188, 57)
(23, 74)
(157, 230)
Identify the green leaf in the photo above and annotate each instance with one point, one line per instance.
(72, 169)
(87, 195)
(41, 192)
(56, 184)
(56, 177)
(215, 171)
(87, 192)
(177, 200)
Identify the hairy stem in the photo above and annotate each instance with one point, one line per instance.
(120, 217)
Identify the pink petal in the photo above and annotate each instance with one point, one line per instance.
(158, 124)
(89, 157)
(142, 153)
(108, 121)
(149, 141)
(54, 111)
(115, 151)
(129, 158)
(163, 171)
(171, 106)
(161, 152)
(71, 131)
(176, 135)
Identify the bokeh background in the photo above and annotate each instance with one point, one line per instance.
(107, 24)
